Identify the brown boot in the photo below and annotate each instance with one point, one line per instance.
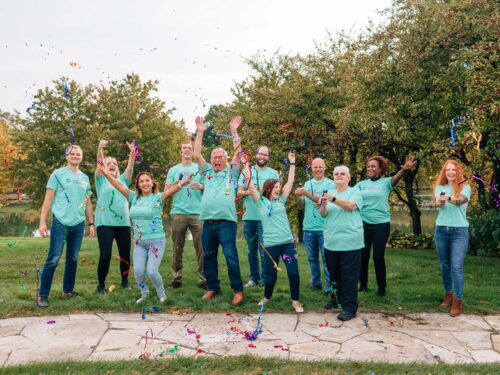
(238, 298)
(456, 308)
(209, 295)
(448, 299)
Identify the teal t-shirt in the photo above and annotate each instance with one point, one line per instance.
(312, 219)
(375, 195)
(451, 215)
(217, 202)
(275, 225)
(112, 206)
(186, 201)
(71, 191)
(343, 229)
(258, 179)
(145, 213)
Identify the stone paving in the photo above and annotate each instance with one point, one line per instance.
(425, 337)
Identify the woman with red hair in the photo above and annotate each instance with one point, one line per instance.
(452, 235)
(376, 216)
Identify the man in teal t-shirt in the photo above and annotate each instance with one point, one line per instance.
(252, 225)
(185, 214)
(313, 222)
(68, 197)
(218, 211)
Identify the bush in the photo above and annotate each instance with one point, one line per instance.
(484, 231)
(400, 240)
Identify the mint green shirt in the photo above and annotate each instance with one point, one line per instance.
(451, 215)
(112, 206)
(375, 195)
(343, 229)
(145, 213)
(258, 179)
(71, 190)
(312, 219)
(186, 201)
(217, 202)
(275, 225)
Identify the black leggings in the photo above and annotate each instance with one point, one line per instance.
(376, 234)
(105, 237)
(287, 251)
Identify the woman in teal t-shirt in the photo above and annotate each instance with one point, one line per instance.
(146, 206)
(452, 234)
(278, 238)
(376, 216)
(112, 219)
(344, 242)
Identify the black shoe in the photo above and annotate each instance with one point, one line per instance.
(345, 316)
(381, 292)
(363, 287)
(175, 285)
(317, 287)
(42, 302)
(203, 285)
(332, 304)
(70, 294)
(101, 290)
(125, 285)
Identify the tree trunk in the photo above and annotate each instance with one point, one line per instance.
(412, 204)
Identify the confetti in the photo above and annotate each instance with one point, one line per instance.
(4, 157)
(18, 191)
(12, 243)
(51, 321)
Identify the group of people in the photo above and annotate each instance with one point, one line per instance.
(341, 223)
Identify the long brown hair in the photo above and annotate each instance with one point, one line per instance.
(459, 179)
(138, 189)
(382, 163)
(268, 187)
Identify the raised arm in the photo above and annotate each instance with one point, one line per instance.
(175, 187)
(233, 125)
(47, 202)
(100, 155)
(198, 142)
(252, 191)
(291, 175)
(129, 171)
(408, 165)
(103, 170)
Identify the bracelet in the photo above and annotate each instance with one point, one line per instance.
(91, 224)
(291, 163)
(334, 199)
(449, 199)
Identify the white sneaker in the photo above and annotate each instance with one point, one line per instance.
(263, 301)
(297, 306)
(163, 299)
(250, 284)
(141, 299)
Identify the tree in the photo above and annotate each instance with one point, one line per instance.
(7, 151)
(69, 113)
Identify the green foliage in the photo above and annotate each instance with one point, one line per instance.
(399, 240)
(124, 111)
(484, 232)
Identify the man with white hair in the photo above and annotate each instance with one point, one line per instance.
(308, 196)
(218, 211)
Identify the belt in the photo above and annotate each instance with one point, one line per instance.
(214, 221)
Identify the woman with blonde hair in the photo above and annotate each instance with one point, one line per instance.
(112, 218)
(452, 195)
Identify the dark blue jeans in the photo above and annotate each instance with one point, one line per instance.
(60, 234)
(252, 229)
(313, 244)
(452, 244)
(287, 251)
(215, 233)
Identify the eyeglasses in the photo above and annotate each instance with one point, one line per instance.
(261, 154)
(340, 174)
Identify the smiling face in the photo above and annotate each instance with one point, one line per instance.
(186, 151)
(275, 193)
(145, 183)
(112, 166)
(373, 169)
(74, 155)
(318, 168)
(451, 172)
(218, 160)
(262, 156)
(341, 176)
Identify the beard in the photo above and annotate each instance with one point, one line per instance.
(262, 164)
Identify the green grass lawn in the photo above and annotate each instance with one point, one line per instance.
(247, 365)
(414, 284)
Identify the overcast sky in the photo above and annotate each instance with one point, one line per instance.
(196, 49)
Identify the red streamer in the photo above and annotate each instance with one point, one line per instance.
(18, 191)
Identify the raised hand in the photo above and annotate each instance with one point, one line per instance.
(131, 146)
(200, 125)
(410, 162)
(103, 143)
(291, 156)
(235, 123)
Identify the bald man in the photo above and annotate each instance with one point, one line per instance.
(308, 196)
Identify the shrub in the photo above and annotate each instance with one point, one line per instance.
(484, 232)
(398, 239)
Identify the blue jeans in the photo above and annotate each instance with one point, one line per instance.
(287, 251)
(59, 235)
(147, 260)
(313, 244)
(452, 244)
(252, 229)
(215, 233)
